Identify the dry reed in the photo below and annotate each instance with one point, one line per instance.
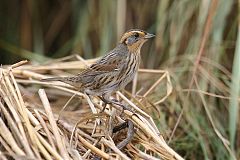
(34, 126)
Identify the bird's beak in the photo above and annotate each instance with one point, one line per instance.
(148, 35)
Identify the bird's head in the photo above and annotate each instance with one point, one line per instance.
(135, 38)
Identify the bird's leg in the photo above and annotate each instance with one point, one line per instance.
(105, 103)
(113, 101)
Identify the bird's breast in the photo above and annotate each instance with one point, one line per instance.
(129, 69)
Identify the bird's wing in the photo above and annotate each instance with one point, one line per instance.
(104, 68)
(109, 63)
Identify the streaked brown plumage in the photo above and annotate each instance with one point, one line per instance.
(114, 70)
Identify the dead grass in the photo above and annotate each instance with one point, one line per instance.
(42, 120)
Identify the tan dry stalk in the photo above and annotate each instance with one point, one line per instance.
(32, 129)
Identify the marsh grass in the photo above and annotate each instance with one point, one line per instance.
(62, 123)
(197, 43)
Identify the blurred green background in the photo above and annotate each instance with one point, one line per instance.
(197, 41)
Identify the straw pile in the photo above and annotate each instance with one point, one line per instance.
(42, 120)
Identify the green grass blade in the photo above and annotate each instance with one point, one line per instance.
(235, 87)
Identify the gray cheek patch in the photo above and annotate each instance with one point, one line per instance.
(131, 40)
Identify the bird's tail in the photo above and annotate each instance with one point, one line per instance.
(52, 79)
(65, 80)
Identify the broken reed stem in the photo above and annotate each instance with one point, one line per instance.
(111, 145)
(53, 124)
(93, 148)
(156, 138)
(7, 136)
(43, 124)
(154, 85)
(48, 140)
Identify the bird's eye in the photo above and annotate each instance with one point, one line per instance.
(132, 39)
(136, 35)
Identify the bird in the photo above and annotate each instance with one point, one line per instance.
(113, 71)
